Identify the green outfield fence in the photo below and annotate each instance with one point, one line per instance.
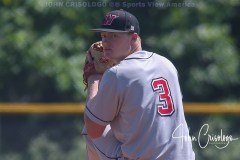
(78, 108)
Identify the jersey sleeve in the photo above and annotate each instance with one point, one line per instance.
(105, 106)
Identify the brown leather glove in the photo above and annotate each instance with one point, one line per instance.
(96, 61)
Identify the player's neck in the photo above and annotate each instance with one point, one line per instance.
(135, 48)
(138, 48)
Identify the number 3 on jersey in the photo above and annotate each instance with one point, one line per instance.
(165, 107)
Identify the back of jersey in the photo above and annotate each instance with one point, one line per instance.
(150, 119)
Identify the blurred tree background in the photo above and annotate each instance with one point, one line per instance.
(42, 51)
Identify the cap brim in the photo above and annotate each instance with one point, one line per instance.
(107, 30)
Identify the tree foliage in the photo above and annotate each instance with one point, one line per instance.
(42, 47)
(42, 51)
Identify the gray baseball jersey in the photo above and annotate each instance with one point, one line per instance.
(106, 147)
(141, 99)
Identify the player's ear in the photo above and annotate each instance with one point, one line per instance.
(134, 36)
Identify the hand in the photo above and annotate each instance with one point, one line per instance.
(96, 62)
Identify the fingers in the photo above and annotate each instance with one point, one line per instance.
(89, 57)
(104, 60)
(88, 70)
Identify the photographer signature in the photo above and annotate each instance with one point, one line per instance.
(204, 138)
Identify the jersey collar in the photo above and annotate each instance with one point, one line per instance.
(139, 55)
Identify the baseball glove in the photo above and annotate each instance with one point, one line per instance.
(96, 61)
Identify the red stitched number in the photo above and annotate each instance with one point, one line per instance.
(166, 107)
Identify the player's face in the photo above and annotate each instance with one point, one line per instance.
(116, 46)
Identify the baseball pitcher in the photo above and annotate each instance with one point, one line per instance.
(135, 106)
